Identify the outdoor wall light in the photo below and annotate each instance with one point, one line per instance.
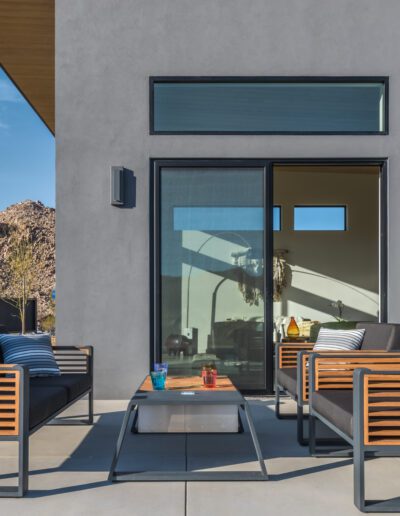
(117, 186)
(123, 188)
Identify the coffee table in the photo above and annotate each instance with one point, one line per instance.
(189, 392)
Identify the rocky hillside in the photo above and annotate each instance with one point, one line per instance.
(38, 223)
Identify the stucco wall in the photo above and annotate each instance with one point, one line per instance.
(105, 52)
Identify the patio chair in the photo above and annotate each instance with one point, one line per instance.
(292, 373)
(27, 404)
(358, 397)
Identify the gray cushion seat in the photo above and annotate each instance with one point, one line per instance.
(50, 394)
(336, 406)
(45, 401)
(74, 384)
(287, 378)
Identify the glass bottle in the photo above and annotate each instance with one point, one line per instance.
(293, 330)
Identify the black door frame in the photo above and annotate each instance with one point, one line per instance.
(156, 164)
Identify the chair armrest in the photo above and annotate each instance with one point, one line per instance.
(303, 376)
(286, 353)
(14, 400)
(74, 359)
(335, 370)
(376, 401)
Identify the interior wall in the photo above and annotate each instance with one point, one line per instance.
(327, 266)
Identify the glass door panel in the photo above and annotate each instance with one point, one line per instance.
(211, 262)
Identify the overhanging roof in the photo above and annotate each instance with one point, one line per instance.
(27, 52)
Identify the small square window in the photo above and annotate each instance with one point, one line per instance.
(320, 218)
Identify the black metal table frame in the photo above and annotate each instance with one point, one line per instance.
(173, 398)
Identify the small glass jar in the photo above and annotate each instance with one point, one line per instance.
(209, 375)
(158, 380)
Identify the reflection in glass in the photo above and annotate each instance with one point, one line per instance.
(269, 107)
(212, 272)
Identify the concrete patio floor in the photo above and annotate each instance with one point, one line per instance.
(69, 467)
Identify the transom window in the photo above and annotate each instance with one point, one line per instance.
(268, 105)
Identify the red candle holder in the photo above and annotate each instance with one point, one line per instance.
(209, 378)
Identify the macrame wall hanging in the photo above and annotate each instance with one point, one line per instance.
(279, 273)
(251, 285)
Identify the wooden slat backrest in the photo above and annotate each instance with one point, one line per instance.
(72, 360)
(336, 372)
(288, 353)
(306, 370)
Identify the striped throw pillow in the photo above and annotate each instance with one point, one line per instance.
(34, 351)
(338, 340)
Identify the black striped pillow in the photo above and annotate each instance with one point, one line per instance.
(338, 340)
(34, 351)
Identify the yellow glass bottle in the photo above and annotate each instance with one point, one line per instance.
(293, 330)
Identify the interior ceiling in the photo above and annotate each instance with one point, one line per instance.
(27, 52)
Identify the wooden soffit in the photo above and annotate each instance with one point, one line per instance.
(27, 52)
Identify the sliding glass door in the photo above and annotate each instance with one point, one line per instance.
(211, 255)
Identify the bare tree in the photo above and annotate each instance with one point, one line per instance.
(21, 267)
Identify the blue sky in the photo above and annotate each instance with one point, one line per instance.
(27, 150)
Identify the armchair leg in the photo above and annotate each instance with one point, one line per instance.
(311, 439)
(300, 426)
(278, 406)
(90, 402)
(359, 478)
(23, 465)
(277, 402)
(21, 488)
(360, 455)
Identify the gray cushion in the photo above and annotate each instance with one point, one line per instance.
(45, 401)
(287, 378)
(380, 336)
(336, 406)
(74, 384)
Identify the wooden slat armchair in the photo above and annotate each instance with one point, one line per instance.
(358, 397)
(292, 373)
(26, 404)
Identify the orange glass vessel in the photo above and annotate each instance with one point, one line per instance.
(209, 376)
(293, 329)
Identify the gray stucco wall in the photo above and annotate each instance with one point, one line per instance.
(105, 52)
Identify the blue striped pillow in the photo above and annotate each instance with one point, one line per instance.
(338, 340)
(34, 351)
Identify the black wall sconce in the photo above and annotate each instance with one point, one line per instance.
(123, 187)
(117, 186)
